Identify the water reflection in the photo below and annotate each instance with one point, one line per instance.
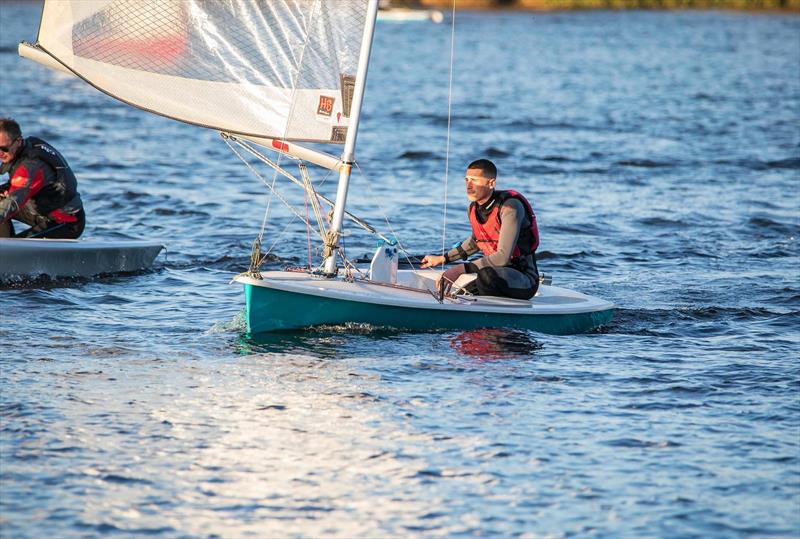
(332, 342)
(495, 344)
(265, 446)
(291, 342)
(336, 341)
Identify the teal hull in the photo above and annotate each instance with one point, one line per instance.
(270, 309)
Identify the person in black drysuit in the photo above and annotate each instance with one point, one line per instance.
(41, 190)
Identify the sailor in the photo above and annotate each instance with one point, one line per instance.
(504, 230)
(41, 190)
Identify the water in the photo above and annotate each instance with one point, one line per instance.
(661, 151)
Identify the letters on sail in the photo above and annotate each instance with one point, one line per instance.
(282, 69)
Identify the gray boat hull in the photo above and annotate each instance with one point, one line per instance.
(22, 259)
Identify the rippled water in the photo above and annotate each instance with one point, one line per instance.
(662, 152)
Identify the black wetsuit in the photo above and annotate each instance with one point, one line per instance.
(41, 192)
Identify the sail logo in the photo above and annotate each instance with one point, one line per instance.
(325, 107)
(338, 134)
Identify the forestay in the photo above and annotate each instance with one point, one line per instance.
(281, 69)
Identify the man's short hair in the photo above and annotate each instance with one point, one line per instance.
(485, 166)
(10, 127)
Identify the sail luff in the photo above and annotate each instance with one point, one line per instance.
(348, 154)
(350, 142)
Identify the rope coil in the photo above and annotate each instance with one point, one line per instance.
(255, 260)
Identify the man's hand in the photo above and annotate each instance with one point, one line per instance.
(431, 260)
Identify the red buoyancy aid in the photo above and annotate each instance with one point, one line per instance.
(488, 234)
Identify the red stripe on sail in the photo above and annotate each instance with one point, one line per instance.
(134, 53)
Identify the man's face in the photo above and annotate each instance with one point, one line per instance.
(479, 187)
(8, 147)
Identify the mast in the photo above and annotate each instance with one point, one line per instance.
(348, 154)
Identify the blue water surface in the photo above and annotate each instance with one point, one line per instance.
(661, 151)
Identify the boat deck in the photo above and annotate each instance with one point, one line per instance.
(417, 290)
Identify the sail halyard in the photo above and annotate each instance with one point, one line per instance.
(348, 154)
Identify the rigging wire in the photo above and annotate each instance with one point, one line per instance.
(273, 191)
(314, 12)
(311, 196)
(314, 199)
(308, 187)
(306, 184)
(394, 234)
(308, 231)
(449, 120)
(400, 246)
(267, 161)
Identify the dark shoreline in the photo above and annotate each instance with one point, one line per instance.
(781, 6)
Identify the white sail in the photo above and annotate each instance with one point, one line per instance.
(280, 69)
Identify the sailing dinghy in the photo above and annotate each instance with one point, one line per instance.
(272, 75)
(23, 259)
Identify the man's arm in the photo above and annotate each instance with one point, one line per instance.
(27, 181)
(468, 247)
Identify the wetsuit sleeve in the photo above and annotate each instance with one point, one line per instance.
(27, 181)
(512, 216)
(468, 247)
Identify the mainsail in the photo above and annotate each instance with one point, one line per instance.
(276, 69)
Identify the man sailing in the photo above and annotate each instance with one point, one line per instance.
(504, 230)
(41, 192)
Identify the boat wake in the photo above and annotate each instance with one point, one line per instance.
(46, 282)
(700, 322)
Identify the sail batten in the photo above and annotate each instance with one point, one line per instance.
(281, 69)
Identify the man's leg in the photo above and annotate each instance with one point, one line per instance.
(42, 226)
(506, 282)
(56, 231)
